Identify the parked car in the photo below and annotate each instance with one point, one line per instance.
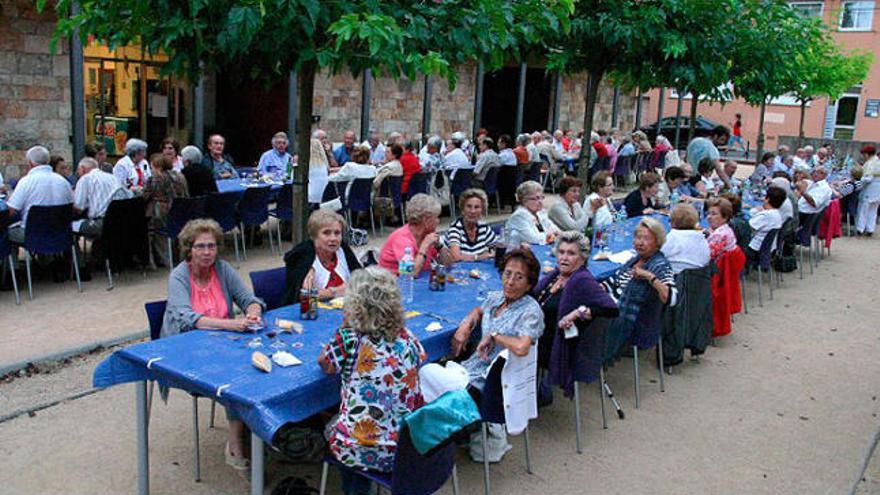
(667, 128)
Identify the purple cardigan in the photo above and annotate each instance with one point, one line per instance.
(581, 358)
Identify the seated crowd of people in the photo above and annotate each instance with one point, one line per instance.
(373, 347)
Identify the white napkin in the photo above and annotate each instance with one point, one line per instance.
(285, 359)
(433, 327)
(621, 257)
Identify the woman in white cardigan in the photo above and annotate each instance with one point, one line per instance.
(529, 223)
(567, 213)
(599, 205)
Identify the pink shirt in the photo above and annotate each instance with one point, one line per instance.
(397, 242)
(208, 300)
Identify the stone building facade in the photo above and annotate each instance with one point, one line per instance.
(36, 98)
(34, 86)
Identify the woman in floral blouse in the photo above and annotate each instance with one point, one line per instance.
(379, 362)
(721, 237)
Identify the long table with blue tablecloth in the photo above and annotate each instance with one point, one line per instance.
(217, 364)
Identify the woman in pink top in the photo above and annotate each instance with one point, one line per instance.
(721, 237)
(419, 234)
(201, 292)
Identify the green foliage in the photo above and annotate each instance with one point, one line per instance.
(264, 39)
(827, 71)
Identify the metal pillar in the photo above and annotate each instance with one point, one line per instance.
(478, 99)
(142, 439)
(426, 107)
(292, 102)
(520, 98)
(77, 93)
(615, 107)
(638, 118)
(557, 103)
(366, 96)
(257, 465)
(660, 103)
(199, 114)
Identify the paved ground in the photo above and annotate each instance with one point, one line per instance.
(785, 405)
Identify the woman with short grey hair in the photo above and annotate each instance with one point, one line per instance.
(529, 222)
(190, 155)
(377, 357)
(133, 170)
(469, 238)
(569, 297)
(419, 235)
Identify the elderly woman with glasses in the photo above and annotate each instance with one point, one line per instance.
(324, 261)
(469, 238)
(640, 284)
(569, 297)
(419, 235)
(509, 319)
(201, 292)
(378, 360)
(133, 170)
(529, 223)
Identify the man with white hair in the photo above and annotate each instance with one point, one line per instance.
(95, 190)
(199, 177)
(321, 136)
(456, 158)
(377, 149)
(815, 196)
(133, 170)
(532, 147)
(275, 161)
(430, 157)
(40, 187)
(557, 141)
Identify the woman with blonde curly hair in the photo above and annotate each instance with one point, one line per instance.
(379, 362)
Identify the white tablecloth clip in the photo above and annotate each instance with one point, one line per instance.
(151, 361)
(221, 388)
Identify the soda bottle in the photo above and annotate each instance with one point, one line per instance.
(305, 302)
(405, 272)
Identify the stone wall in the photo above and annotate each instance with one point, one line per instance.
(571, 114)
(34, 86)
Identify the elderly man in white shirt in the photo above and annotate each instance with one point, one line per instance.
(95, 190)
(377, 149)
(814, 197)
(275, 161)
(765, 218)
(455, 158)
(133, 170)
(40, 187)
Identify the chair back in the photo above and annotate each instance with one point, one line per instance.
(390, 188)
(284, 201)
(534, 172)
(48, 229)
(4, 243)
(417, 474)
(646, 332)
(805, 229)
(623, 165)
(253, 209)
(767, 249)
(359, 195)
(418, 183)
(461, 181)
(603, 163)
(658, 159)
(221, 207)
(492, 398)
(182, 211)
(155, 313)
(270, 285)
(124, 232)
(490, 183)
(818, 221)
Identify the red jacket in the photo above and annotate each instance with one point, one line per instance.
(411, 166)
(726, 295)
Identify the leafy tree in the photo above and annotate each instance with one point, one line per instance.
(827, 72)
(770, 35)
(263, 40)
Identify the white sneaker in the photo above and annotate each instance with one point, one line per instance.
(241, 465)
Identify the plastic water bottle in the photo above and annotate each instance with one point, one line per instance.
(674, 198)
(621, 214)
(406, 273)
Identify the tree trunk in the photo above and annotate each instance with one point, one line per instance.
(660, 102)
(801, 127)
(692, 125)
(760, 149)
(593, 80)
(306, 81)
(678, 118)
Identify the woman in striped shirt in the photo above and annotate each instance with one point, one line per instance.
(468, 238)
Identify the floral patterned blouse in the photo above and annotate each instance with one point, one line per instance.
(721, 240)
(380, 385)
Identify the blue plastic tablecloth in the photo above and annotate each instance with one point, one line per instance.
(239, 185)
(217, 364)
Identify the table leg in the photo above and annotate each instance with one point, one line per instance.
(257, 465)
(143, 439)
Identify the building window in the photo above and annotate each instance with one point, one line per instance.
(127, 97)
(856, 16)
(845, 121)
(808, 9)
